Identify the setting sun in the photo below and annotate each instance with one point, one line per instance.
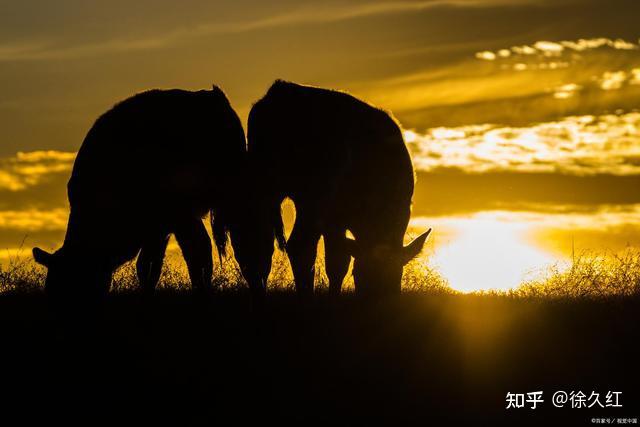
(488, 252)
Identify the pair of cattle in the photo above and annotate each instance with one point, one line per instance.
(158, 162)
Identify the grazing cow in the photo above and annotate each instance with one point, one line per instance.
(345, 165)
(153, 165)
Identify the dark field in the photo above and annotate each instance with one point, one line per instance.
(418, 359)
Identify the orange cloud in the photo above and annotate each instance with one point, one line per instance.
(551, 48)
(34, 220)
(580, 145)
(28, 169)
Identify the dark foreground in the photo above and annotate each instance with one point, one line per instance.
(414, 360)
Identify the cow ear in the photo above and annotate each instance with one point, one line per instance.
(414, 248)
(42, 257)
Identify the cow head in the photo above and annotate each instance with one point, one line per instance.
(252, 236)
(378, 269)
(73, 274)
(253, 248)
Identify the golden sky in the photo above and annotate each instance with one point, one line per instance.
(524, 106)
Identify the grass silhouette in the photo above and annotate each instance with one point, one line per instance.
(590, 275)
(427, 356)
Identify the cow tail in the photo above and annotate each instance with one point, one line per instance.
(220, 231)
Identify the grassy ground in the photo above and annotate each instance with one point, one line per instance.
(590, 276)
(427, 356)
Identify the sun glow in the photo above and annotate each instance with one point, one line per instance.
(489, 253)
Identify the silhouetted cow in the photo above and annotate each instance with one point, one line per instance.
(346, 167)
(153, 165)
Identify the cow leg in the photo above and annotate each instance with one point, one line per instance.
(337, 259)
(149, 264)
(301, 248)
(195, 243)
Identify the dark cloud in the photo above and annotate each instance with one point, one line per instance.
(51, 193)
(521, 110)
(90, 55)
(451, 191)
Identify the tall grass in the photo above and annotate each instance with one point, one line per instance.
(20, 274)
(589, 276)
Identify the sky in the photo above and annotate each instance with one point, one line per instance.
(528, 106)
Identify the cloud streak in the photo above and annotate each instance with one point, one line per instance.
(551, 48)
(34, 220)
(581, 145)
(45, 50)
(538, 82)
(29, 169)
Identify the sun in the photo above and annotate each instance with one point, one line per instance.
(489, 253)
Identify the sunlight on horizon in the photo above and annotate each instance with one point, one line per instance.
(486, 253)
